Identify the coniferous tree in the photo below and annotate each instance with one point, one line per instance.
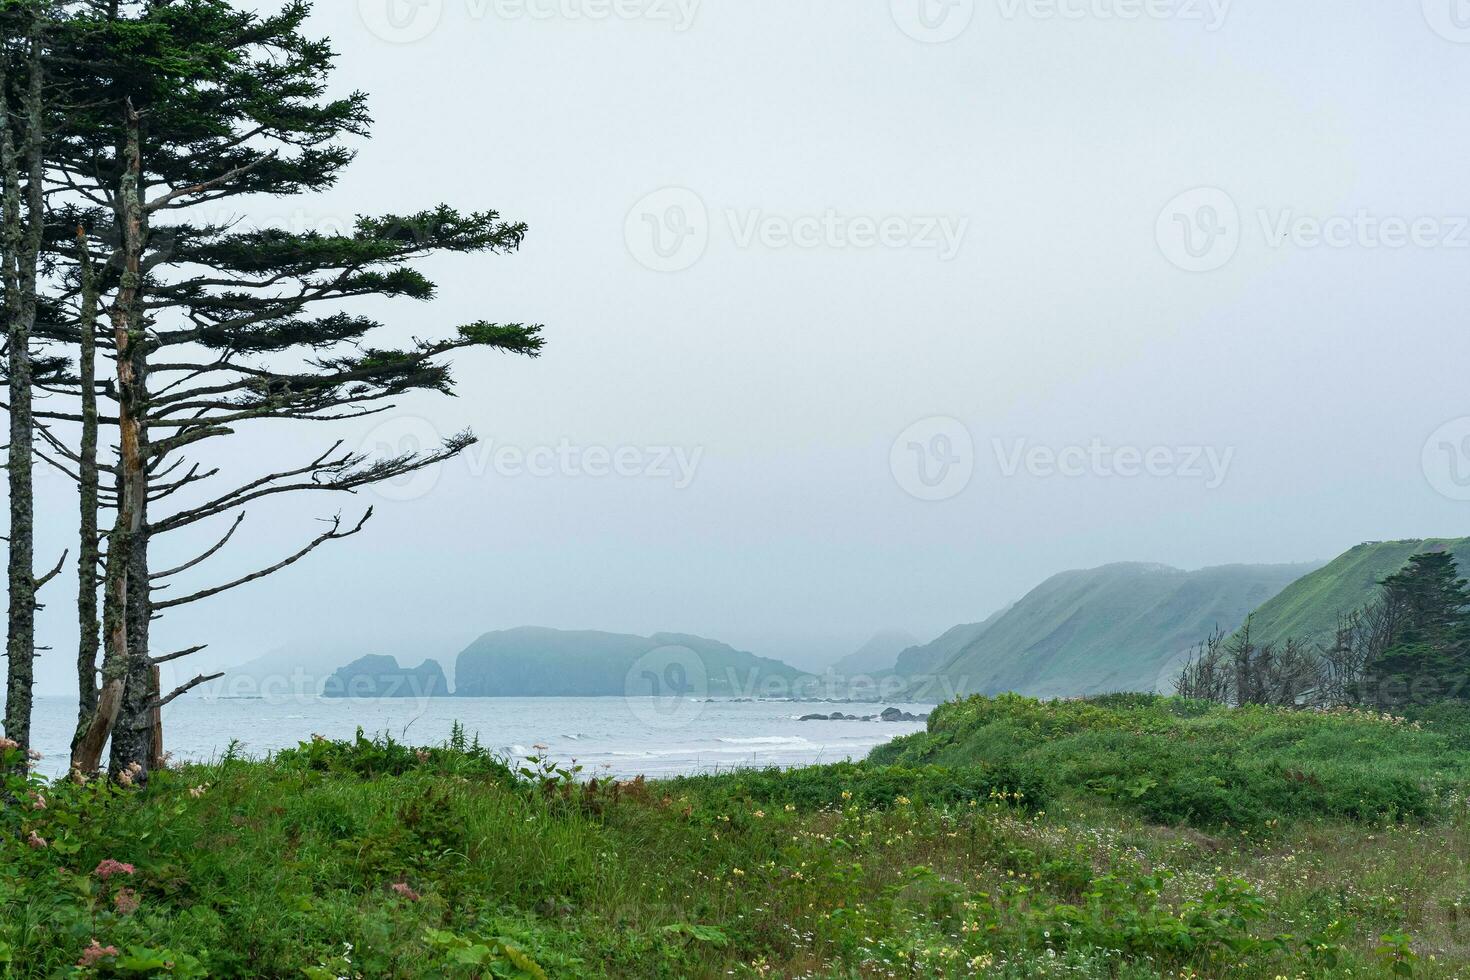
(23, 148)
(1428, 656)
(216, 324)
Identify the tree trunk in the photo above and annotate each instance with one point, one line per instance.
(88, 641)
(132, 734)
(22, 242)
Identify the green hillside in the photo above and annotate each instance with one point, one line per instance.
(1117, 628)
(536, 662)
(927, 658)
(1309, 607)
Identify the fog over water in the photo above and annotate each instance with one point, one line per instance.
(852, 330)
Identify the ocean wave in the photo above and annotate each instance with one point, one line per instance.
(766, 740)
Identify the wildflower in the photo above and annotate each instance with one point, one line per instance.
(402, 889)
(36, 842)
(738, 873)
(759, 814)
(125, 778)
(846, 795)
(198, 791)
(126, 901)
(6, 744)
(33, 755)
(423, 756)
(108, 867)
(539, 747)
(38, 802)
(95, 953)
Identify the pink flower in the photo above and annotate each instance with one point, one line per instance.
(422, 755)
(37, 842)
(34, 756)
(126, 901)
(6, 744)
(38, 802)
(403, 890)
(94, 953)
(107, 868)
(125, 778)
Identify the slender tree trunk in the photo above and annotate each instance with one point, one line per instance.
(132, 733)
(22, 250)
(88, 641)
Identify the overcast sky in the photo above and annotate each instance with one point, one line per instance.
(876, 316)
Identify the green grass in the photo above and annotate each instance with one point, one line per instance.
(1182, 762)
(1002, 843)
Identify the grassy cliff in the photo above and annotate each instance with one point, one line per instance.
(1116, 628)
(1308, 608)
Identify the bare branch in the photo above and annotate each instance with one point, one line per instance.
(183, 689)
(178, 655)
(335, 534)
(41, 582)
(190, 564)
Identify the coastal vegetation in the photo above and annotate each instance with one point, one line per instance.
(1131, 836)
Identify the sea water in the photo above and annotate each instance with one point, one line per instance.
(619, 737)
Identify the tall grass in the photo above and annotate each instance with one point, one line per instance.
(1013, 839)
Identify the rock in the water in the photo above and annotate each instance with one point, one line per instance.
(381, 677)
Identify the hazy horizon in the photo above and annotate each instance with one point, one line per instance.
(853, 327)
